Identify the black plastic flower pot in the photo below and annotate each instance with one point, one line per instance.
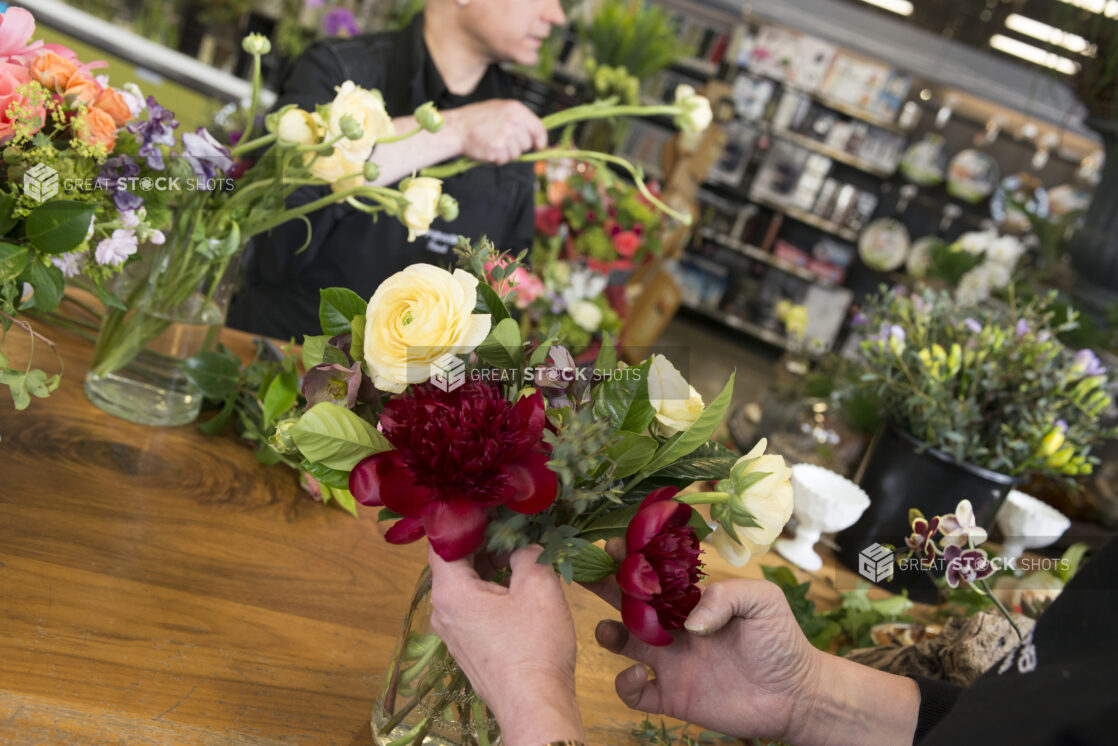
(899, 476)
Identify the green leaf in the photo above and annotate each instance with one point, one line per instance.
(503, 347)
(629, 453)
(212, 373)
(623, 399)
(107, 299)
(493, 302)
(357, 337)
(313, 349)
(18, 389)
(281, 395)
(336, 309)
(7, 209)
(221, 420)
(607, 356)
(49, 285)
(331, 477)
(267, 455)
(681, 444)
(13, 260)
(345, 500)
(611, 524)
(592, 564)
(36, 382)
(709, 461)
(1072, 558)
(333, 436)
(699, 524)
(58, 226)
(387, 515)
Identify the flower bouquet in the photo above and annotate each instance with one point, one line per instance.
(459, 429)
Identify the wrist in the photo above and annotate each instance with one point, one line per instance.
(539, 714)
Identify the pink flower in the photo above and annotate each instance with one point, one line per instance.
(114, 250)
(16, 27)
(626, 243)
(12, 77)
(526, 286)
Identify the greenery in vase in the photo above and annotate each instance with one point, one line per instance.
(991, 386)
(634, 35)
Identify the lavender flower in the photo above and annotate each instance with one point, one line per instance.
(70, 263)
(1086, 364)
(156, 130)
(114, 250)
(340, 22)
(129, 219)
(1022, 327)
(972, 325)
(116, 175)
(206, 156)
(124, 201)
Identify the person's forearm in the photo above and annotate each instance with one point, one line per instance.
(403, 158)
(544, 717)
(855, 704)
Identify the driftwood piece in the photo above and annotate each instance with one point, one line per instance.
(961, 653)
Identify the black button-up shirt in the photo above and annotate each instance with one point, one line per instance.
(279, 293)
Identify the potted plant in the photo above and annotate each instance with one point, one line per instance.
(973, 400)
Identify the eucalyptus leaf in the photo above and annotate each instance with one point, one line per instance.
(334, 436)
(336, 309)
(58, 226)
(212, 373)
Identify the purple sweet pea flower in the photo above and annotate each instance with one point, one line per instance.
(859, 319)
(1022, 327)
(973, 326)
(1086, 364)
(125, 201)
(206, 156)
(340, 22)
(157, 129)
(313, 4)
(1062, 425)
(332, 383)
(129, 219)
(966, 565)
(114, 250)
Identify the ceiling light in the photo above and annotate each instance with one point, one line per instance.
(1033, 54)
(901, 7)
(1051, 34)
(1109, 8)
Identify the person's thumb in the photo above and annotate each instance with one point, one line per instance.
(723, 601)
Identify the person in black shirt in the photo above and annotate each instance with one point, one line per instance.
(743, 667)
(448, 55)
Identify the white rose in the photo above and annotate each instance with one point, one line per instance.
(341, 171)
(677, 404)
(974, 287)
(367, 108)
(696, 115)
(587, 315)
(298, 127)
(422, 195)
(415, 317)
(768, 500)
(976, 242)
(1005, 251)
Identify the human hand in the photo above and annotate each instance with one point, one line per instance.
(497, 131)
(516, 644)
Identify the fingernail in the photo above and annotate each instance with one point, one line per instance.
(699, 621)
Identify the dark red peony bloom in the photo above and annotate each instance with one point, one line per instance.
(548, 219)
(659, 573)
(456, 455)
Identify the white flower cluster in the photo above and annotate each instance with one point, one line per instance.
(1000, 256)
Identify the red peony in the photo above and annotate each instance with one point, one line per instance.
(659, 573)
(456, 455)
(548, 219)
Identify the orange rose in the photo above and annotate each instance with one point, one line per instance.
(557, 193)
(82, 89)
(94, 127)
(53, 71)
(112, 103)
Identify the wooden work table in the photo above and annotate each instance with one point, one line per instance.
(160, 586)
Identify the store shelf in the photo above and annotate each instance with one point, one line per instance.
(835, 153)
(865, 115)
(765, 257)
(808, 218)
(741, 325)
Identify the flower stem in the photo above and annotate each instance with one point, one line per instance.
(398, 138)
(250, 145)
(1001, 608)
(704, 498)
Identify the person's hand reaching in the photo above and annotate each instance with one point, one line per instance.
(497, 131)
(516, 644)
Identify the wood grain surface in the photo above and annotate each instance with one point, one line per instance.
(158, 586)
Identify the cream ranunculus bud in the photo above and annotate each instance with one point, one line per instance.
(448, 208)
(297, 127)
(256, 44)
(696, 115)
(366, 108)
(351, 128)
(587, 315)
(429, 118)
(422, 195)
(372, 171)
(338, 169)
(760, 490)
(677, 404)
(415, 317)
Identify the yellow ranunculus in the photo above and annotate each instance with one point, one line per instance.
(367, 108)
(422, 195)
(298, 127)
(768, 500)
(338, 169)
(415, 317)
(676, 402)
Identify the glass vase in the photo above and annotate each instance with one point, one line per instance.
(174, 307)
(427, 698)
